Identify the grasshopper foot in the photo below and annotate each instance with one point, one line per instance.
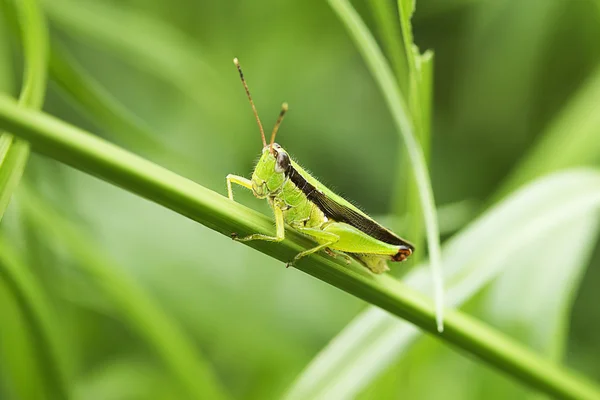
(292, 262)
(234, 235)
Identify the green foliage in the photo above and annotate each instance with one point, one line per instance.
(14, 153)
(108, 295)
(40, 317)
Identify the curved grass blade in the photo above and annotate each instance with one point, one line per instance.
(21, 376)
(88, 153)
(14, 154)
(401, 115)
(375, 340)
(390, 33)
(41, 318)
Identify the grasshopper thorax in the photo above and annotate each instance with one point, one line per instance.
(270, 171)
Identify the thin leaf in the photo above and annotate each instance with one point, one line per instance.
(87, 152)
(416, 85)
(40, 317)
(14, 154)
(401, 115)
(21, 376)
(391, 35)
(407, 188)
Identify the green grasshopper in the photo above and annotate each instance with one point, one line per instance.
(307, 206)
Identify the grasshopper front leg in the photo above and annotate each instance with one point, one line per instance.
(280, 230)
(279, 222)
(239, 180)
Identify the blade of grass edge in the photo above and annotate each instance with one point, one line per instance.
(40, 317)
(384, 77)
(35, 48)
(391, 35)
(420, 94)
(22, 376)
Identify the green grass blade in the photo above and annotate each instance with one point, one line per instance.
(391, 36)
(407, 189)
(6, 72)
(13, 155)
(21, 376)
(88, 153)
(473, 258)
(401, 115)
(406, 9)
(425, 88)
(414, 74)
(41, 318)
(138, 308)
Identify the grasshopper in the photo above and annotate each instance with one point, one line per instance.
(309, 207)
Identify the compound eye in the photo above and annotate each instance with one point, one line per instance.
(283, 162)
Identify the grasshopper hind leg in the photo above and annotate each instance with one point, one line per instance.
(325, 239)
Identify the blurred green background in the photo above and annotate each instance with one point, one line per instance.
(507, 73)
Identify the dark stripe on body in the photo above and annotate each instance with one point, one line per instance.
(341, 213)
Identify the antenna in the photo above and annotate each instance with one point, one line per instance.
(262, 131)
(284, 108)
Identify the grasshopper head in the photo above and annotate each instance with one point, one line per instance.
(269, 173)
